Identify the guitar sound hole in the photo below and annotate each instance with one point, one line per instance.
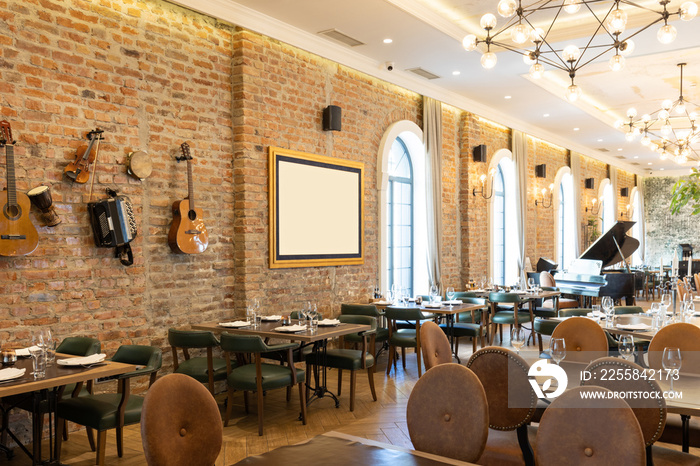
(12, 212)
(192, 215)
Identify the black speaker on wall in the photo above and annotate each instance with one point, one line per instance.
(331, 118)
(590, 183)
(479, 153)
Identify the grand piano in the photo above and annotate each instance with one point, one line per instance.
(589, 276)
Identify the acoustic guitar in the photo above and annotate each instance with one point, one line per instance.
(18, 236)
(187, 235)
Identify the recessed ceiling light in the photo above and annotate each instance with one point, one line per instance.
(546, 115)
(600, 140)
(456, 73)
(388, 41)
(619, 149)
(576, 129)
(635, 157)
(661, 169)
(649, 163)
(507, 97)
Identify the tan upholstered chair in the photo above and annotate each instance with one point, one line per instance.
(434, 345)
(585, 340)
(547, 280)
(696, 278)
(512, 403)
(650, 411)
(681, 290)
(180, 423)
(577, 431)
(447, 413)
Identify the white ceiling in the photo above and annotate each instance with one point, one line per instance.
(428, 34)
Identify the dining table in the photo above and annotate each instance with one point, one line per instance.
(47, 391)
(273, 329)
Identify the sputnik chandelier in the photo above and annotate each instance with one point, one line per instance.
(608, 27)
(670, 131)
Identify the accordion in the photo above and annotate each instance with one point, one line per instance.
(113, 222)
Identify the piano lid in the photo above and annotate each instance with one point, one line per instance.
(604, 248)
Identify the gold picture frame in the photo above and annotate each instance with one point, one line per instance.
(316, 210)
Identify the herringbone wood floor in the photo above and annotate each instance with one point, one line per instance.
(383, 420)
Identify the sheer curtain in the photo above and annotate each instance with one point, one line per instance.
(641, 219)
(613, 182)
(576, 178)
(520, 159)
(432, 138)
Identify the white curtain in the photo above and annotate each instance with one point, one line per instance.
(576, 183)
(519, 150)
(613, 182)
(641, 219)
(432, 138)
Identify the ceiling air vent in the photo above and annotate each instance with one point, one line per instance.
(603, 149)
(340, 37)
(423, 73)
(634, 163)
(621, 157)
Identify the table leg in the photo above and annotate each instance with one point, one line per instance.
(685, 423)
(321, 373)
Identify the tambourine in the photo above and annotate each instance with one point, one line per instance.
(139, 164)
(40, 198)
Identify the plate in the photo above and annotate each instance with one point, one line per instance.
(11, 373)
(23, 352)
(328, 323)
(633, 326)
(291, 329)
(271, 318)
(86, 361)
(236, 324)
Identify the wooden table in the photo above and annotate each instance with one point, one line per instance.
(50, 389)
(346, 450)
(319, 338)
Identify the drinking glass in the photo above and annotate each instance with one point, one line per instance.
(450, 295)
(517, 338)
(395, 292)
(490, 283)
(596, 309)
(312, 314)
(666, 301)
(609, 308)
(434, 290)
(531, 284)
(671, 360)
(557, 349)
(626, 346)
(38, 353)
(689, 310)
(250, 314)
(303, 313)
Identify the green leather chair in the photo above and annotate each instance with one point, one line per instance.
(206, 369)
(257, 376)
(509, 315)
(403, 337)
(546, 327)
(351, 359)
(106, 411)
(469, 324)
(620, 310)
(382, 334)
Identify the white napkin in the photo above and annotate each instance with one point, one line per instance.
(328, 322)
(236, 324)
(291, 328)
(454, 301)
(271, 318)
(11, 373)
(381, 303)
(24, 352)
(634, 326)
(84, 361)
(432, 305)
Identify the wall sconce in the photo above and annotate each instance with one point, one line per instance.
(625, 192)
(590, 183)
(543, 202)
(595, 207)
(626, 213)
(482, 190)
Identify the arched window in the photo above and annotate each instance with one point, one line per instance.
(565, 233)
(400, 207)
(402, 237)
(503, 234)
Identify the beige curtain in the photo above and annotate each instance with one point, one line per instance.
(519, 150)
(576, 183)
(641, 219)
(613, 182)
(432, 138)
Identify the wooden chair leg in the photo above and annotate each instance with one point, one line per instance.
(390, 359)
(340, 381)
(353, 379)
(65, 430)
(101, 447)
(370, 377)
(420, 368)
(403, 357)
(260, 413)
(302, 402)
(229, 406)
(245, 401)
(500, 332)
(91, 438)
(120, 442)
(289, 393)
(474, 345)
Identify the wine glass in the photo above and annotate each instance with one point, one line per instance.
(450, 295)
(557, 349)
(671, 360)
(434, 293)
(626, 346)
(256, 306)
(303, 313)
(609, 308)
(665, 301)
(312, 314)
(517, 338)
(531, 284)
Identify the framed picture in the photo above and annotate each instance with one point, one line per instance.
(316, 210)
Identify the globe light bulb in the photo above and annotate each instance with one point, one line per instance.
(626, 48)
(617, 21)
(631, 112)
(520, 34)
(488, 21)
(680, 108)
(469, 42)
(529, 58)
(689, 10)
(507, 8)
(571, 53)
(666, 129)
(536, 35)
(629, 136)
(663, 115)
(482, 178)
(572, 6)
(619, 124)
(488, 60)
(645, 141)
(693, 116)
(646, 118)
(536, 71)
(617, 62)
(666, 34)
(667, 104)
(573, 92)
(663, 155)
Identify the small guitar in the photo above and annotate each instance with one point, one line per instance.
(18, 236)
(79, 169)
(187, 235)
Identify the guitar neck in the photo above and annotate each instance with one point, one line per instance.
(10, 169)
(190, 187)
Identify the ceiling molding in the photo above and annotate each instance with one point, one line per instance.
(234, 13)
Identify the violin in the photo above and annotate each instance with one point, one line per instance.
(79, 169)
